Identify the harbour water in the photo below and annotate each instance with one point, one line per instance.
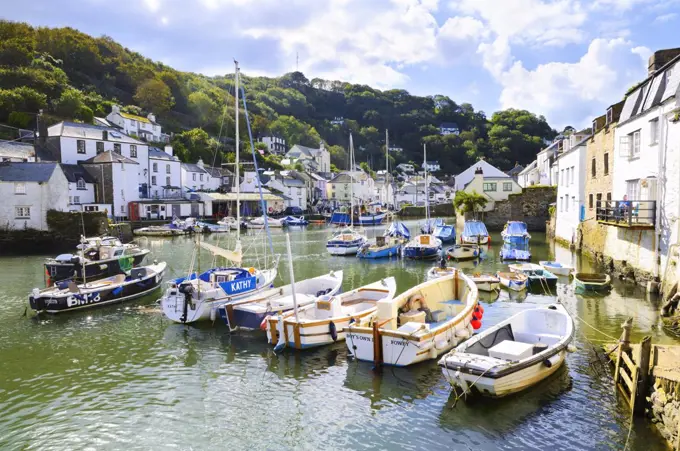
(123, 377)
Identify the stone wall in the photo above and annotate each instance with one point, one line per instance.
(664, 409)
(446, 210)
(530, 206)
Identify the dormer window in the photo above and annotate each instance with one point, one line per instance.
(81, 183)
(594, 126)
(610, 116)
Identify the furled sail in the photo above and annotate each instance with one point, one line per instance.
(235, 256)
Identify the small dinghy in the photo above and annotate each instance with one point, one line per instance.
(293, 221)
(538, 277)
(430, 225)
(486, 282)
(250, 313)
(557, 268)
(346, 242)
(67, 296)
(440, 270)
(159, 231)
(513, 281)
(592, 282)
(464, 252)
(512, 355)
(258, 223)
(325, 321)
(229, 222)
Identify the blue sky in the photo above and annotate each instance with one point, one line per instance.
(565, 59)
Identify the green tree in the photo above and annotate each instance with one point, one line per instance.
(23, 99)
(203, 107)
(154, 95)
(295, 131)
(472, 202)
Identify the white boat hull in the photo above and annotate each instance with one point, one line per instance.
(474, 240)
(558, 270)
(488, 286)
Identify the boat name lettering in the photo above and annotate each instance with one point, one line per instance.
(359, 337)
(399, 342)
(82, 299)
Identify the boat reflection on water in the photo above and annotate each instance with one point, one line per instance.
(489, 297)
(307, 363)
(504, 415)
(393, 385)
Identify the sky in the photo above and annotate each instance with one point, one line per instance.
(565, 59)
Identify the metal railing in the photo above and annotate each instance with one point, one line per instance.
(629, 213)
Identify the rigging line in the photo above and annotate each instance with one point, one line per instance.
(219, 135)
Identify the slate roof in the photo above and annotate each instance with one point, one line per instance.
(190, 167)
(26, 172)
(467, 175)
(516, 170)
(15, 149)
(303, 150)
(158, 154)
(109, 157)
(88, 131)
(73, 172)
(214, 172)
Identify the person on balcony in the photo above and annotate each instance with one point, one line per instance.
(624, 207)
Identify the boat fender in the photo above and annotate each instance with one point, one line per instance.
(441, 344)
(263, 324)
(571, 348)
(416, 298)
(461, 382)
(464, 334)
(476, 324)
(213, 314)
(480, 307)
(476, 316)
(282, 340)
(333, 331)
(551, 361)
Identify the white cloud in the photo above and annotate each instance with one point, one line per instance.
(573, 93)
(666, 18)
(496, 56)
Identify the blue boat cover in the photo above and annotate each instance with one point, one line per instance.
(430, 225)
(516, 228)
(475, 228)
(340, 218)
(444, 232)
(398, 229)
(508, 253)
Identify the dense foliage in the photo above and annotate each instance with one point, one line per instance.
(74, 76)
(472, 202)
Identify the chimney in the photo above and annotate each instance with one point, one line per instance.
(660, 58)
(168, 150)
(199, 163)
(479, 171)
(151, 117)
(115, 109)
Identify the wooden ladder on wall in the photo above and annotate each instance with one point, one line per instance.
(631, 375)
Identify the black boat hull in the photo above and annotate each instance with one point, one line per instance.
(58, 271)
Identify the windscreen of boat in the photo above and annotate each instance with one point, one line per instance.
(516, 228)
(474, 229)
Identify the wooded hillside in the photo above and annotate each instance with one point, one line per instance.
(72, 75)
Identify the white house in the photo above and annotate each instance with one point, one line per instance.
(529, 176)
(117, 181)
(275, 143)
(448, 128)
(432, 166)
(199, 177)
(70, 143)
(341, 187)
(494, 187)
(16, 151)
(145, 128)
(571, 170)
(384, 188)
(82, 192)
(28, 190)
(467, 175)
(316, 160)
(166, 174)
(412, 193)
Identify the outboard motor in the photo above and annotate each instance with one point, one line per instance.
(442, 263)
(186, 289)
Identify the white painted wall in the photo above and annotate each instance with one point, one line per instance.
(84, 196)
(126, 188)
(570, 192)
(162, 174)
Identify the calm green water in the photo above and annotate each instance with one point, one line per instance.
(122, 377)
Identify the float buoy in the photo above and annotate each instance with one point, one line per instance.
(333, 331)
(476, 324)
(263, 324)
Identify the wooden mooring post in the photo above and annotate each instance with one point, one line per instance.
(631, 374)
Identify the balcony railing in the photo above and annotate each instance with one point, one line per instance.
(627, 213)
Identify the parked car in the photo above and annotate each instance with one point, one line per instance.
(293, 211)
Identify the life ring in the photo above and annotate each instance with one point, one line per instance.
(416, 298)
(271, 209)
(251, 270)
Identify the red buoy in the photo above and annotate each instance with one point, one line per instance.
(476, 324)
(263, 324)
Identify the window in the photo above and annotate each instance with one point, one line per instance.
(100, 147)
(80, 145)
(194, 176)
(201, 186)
(167, 181)
(572, 175)
(22, 212)
(133, 151)
(654, 131)
(606, 163)
(609, 197)
(610, 115)
(155, 167)
(562, 177)
(20, 188)
(80, 184)
(333, 195)
(122, 209)
(633, 189)
(153, 180)
(599, 200)
(507, 186)
(167, 169)
(490, 187)
(70, 200)
(116, 148)
(593, 168)
(76, 199)
(635, 138)
(201, 177)
(566, 203)
(590, 201)
(561, 203)
(573, 202)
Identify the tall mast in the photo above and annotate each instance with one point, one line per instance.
(238, 177)
(427, 193)
(387, 166)
(351, 181)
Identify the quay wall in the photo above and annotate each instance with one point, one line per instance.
(435, 210)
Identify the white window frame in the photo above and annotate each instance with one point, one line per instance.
(573, 170)
(167, 181)
(167, 169)
(507, 186)
(633, 189)
(154, 167)
(153, 180)
(81, 148)
(22, 212)
(133, 151)
(20, 188)
(76, 199)
(654, 131)
(80, 184)
(635, 147)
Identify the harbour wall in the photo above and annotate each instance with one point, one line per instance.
(445, 210)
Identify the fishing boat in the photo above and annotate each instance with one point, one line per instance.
(340, 217)
(293, 221)
(373, 216)
(387, 245)
(474, 232)
(68, 296)
(420, 324)
(557, 268)
(326, 320)
(592, 282)
(97, 257)
(347, 241)
(486, 282)
(464, 252)
(250, 313)
(422, 247)
(440, 270)
(513, 355)
(159, 231)
(259, 223)
(513, 281)
(198, 296)
(515, 233)
(445, 233)
(538, 276)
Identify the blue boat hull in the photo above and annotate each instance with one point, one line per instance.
(382, 253)
(420, 253)
(246, 320)
(372, 219)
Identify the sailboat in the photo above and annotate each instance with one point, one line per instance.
(425, 246)
(198, 296)
(347, 241)
(387, 245)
